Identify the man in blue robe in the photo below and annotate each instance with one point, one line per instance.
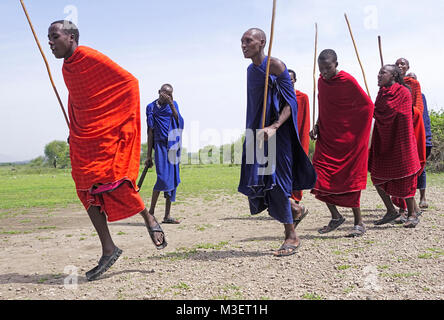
(271, 169)
(165, 125)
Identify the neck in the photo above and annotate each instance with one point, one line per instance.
(257, 60)
(71, 52)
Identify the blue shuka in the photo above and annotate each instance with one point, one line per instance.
(167, 146)
(292, 168)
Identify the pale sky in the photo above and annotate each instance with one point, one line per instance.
(195, 46)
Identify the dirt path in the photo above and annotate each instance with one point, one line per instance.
(221, 252)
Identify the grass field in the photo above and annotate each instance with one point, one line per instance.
(27, 187)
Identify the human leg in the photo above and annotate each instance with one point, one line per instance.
(291, 242)
(336, 219)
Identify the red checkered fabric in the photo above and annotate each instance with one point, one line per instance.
(303, 129)
(348, 199)
(401, 188)
(104, 113)
(341, 153)
(393, 153)
(121, 203)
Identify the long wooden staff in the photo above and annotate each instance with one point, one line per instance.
(380, 51)
(314, 72)
(46, 62)
(267, 71)
(357, 54)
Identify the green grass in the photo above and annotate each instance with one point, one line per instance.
(26, 187)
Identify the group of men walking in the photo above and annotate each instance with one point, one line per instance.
(105, 142)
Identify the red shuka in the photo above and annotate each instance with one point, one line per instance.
(341, 153)
(104, 112)
(418, 120)
(304, 130)
(393, 153)
(104, 135)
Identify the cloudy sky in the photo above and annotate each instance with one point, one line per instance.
(195, 46)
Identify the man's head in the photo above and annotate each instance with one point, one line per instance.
(165, 92)
(292, 76)
(63, 38)
(412, 75)
(389, 74)
(328, 62)
(403, 64)
(253, 42)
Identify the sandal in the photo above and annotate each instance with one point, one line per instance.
(411, 222)
(171, 221)
(387, 218)
(105, 263)
(151, 231)
(286, 250)
(332, 225)
(358, 231)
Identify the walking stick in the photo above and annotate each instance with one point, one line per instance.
(46, 62)
(380, 51)
(314, 72)
(267, 71)
(142, 177)
(357, 54)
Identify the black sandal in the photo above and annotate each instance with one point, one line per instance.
(151, 231)
(386, 219)
(105, 263)
(332, 225)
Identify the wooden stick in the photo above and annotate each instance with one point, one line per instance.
(357, 54)
(46, 62)
(142, 177)
(314, 72)
(267, 72)
(380, 51)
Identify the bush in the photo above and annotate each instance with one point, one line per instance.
(435, 162)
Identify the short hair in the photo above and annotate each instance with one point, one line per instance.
(407, 61)
(260, 32)
(69, 28)
(291, 71)
(166, 85)
(397, 74)
(328, 54)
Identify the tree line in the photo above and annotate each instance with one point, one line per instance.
(56, 153)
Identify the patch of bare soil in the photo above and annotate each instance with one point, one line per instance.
(219, 251)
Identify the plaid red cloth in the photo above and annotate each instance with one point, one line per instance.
(341, 153)
(399, 189)
(393, 153)
(418, 120)
(303, 128)
(123, 202)
(104, 112)
(347, 199)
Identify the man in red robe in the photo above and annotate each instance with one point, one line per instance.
(104, 138)
(342, 132)
(393, 160)
(419, 129)
(299, 211)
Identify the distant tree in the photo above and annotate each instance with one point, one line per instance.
(57, 154)
(37, 162)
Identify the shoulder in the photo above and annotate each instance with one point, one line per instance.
(149, 107)
(276, 66)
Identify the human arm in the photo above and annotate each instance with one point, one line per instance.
(170, 100)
